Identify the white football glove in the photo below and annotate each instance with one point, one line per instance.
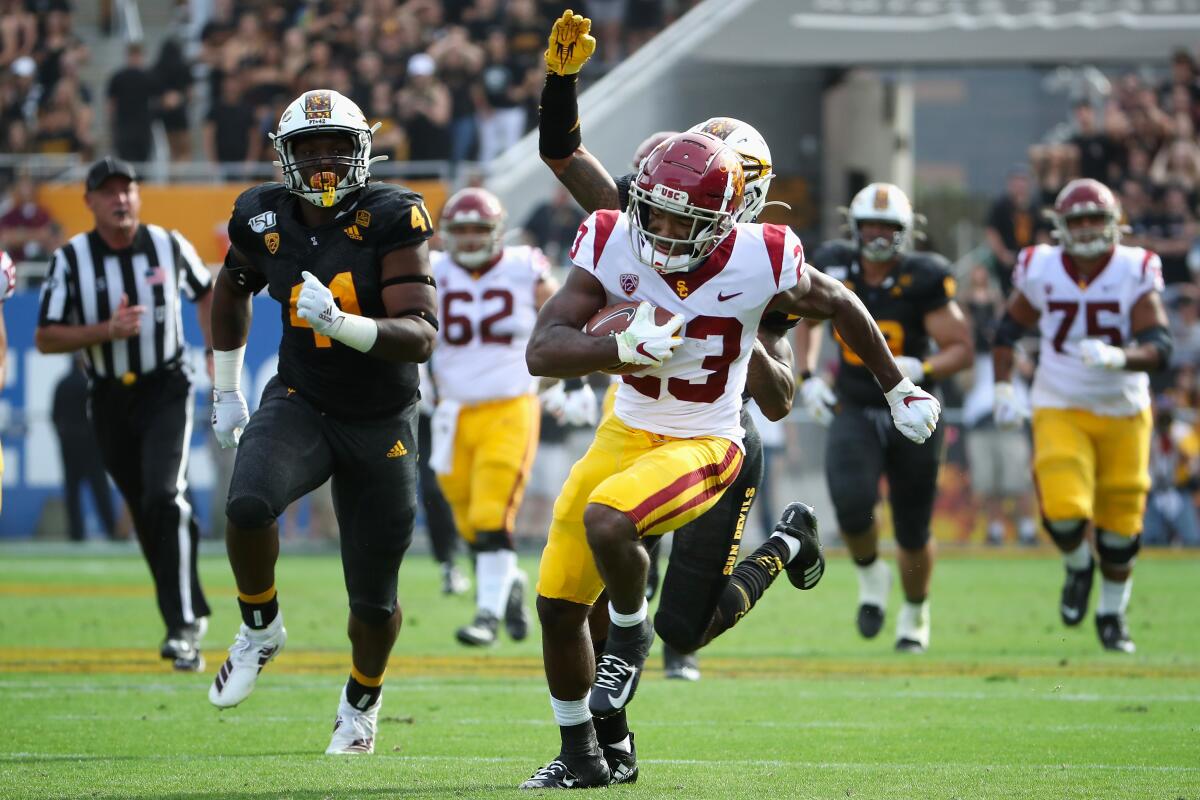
(914, 411)
(911, 368)
(581, 407)
(1096, 353)
(229, 416)
(648, 344)
(553, 400)
(315, 305)
(818, 400)
(1007, 411)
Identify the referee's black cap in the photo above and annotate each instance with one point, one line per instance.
(106, 168)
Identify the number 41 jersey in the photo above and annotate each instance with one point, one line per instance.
(345, 255)
(486, 319)
(698, 391)
(1074, 308)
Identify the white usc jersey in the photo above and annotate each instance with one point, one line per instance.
(1073, 309)
(485, 319)
(8, 276)
(697, 392)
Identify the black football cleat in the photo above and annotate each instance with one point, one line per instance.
(800, 522)
(1113, 633)
(182, 646)
(570, 773)
(619, 669)
(680, 666)
(1077, 587)
(870, 620)
(481, 632)
(622, 765)
(516, 615)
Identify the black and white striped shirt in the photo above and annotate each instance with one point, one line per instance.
(86, 281)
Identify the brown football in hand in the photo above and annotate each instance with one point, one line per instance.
(616, 318)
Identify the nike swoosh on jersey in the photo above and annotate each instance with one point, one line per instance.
(722, 297)
(618, 700)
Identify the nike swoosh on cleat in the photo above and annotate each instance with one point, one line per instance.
(1070, 613)
(618, 700)
(722, 297)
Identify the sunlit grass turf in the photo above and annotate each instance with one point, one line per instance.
(792, 704)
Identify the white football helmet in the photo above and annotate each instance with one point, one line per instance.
(756, 160)
(324, 111)
(881, 202)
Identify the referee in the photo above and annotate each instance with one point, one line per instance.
(113, 293)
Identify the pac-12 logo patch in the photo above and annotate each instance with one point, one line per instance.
(629, 282)
(260, 223)
(272, 241)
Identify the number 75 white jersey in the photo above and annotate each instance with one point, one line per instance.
(485, 319)
(698, 391)
(1073, 309)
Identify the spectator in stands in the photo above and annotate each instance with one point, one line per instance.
(1174, 476)
(27, 231)
(64, 123)
(1100, 156)
(231, 133)
(174, 75)
(18, 31)
(132, 95)
(1183, 313)
(1012, 224)
(424, 106)
(552, 225)
(1170, 233)
(500, 99)
(459, 63)
(1183, 76)
(390, 140)
(21, 91)
(1178, 162)
(643, 19)
(525, 30)
(607, 16)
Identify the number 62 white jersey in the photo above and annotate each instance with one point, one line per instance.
(485, 319)
(1072, 309)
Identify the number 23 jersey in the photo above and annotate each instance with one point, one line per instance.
(345, 255)
(486, 319)
(697, 392)
(1072, 309)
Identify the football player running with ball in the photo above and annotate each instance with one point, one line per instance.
(348, 264)
(911, 298)
(1100, 318)
(674, 442)
(485, 428)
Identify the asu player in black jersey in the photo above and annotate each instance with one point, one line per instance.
(911, 297)
(348, 263)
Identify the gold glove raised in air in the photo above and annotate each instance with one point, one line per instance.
(571, 44)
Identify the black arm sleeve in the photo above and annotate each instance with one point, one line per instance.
(559, 133)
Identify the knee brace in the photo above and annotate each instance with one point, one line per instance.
(372, 613)
(492, 541)
(1116, 549)
(1066, 533)
(247, 512)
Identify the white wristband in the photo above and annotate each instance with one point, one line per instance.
(357, 332)
(227, 369)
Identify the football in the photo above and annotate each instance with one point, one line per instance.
(616, 318)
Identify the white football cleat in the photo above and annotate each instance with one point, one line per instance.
(354, 730)
(251, 651)
(912, 628)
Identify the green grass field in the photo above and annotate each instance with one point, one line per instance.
(792, 704)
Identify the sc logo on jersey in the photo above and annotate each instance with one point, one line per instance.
(263, 221)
